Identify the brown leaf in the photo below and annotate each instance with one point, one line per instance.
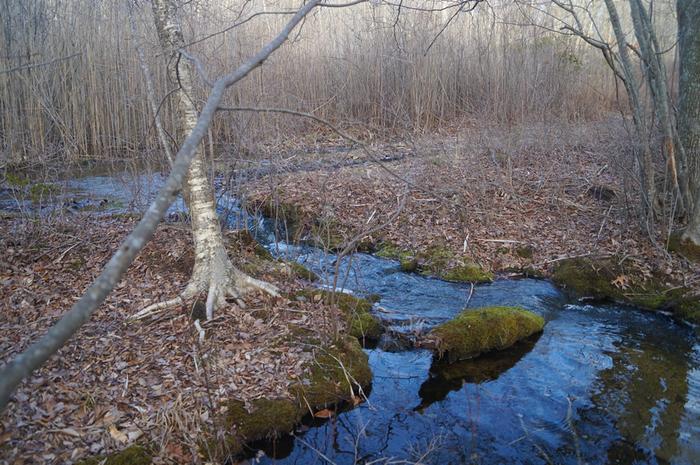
(325, 413)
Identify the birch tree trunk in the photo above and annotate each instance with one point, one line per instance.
(689, 105)
(213, 273)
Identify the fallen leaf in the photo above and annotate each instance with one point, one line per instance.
(325, 413)
(118, 435)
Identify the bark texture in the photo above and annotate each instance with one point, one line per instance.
(214, 274)
(689, 105)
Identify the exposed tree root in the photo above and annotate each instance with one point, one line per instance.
(220, 285)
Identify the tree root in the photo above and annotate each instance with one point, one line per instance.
(234, 285)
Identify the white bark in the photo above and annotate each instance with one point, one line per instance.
(24, 364)
(214, 273)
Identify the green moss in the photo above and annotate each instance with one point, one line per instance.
(365, 327)
(688, 309)
(440, 261)
(132, 455)
(16, 180)
(469, 273)
(268, 418)
(684, 247)
(361, 323)
(338, 372)
(437, 260)
(408, 265)
(346, 302)
(596, 279)
(391, 251)
(477, 331)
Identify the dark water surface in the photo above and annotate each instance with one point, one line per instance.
(602, 384)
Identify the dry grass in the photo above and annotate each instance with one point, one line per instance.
(365, 67)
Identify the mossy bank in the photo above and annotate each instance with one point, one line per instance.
(613, 279)
(338, 375)
(437, 260)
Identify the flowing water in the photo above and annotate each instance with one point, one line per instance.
(602, 384)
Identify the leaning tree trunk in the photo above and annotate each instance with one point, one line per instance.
(689, 105)
(214, 274)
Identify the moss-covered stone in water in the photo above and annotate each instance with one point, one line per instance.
(477, 331)
(684, 247)
(337, 371)
(132, 455)
(467, 273)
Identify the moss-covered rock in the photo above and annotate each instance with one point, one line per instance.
(338, 374)
(132, 455)
(476, 331)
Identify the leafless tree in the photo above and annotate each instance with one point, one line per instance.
(228, 279)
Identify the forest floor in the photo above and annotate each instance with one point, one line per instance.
(120, 381)
(508, 199)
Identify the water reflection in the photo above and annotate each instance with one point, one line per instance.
(446, 377)
(644, 394)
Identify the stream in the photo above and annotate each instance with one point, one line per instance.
(602, 384)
